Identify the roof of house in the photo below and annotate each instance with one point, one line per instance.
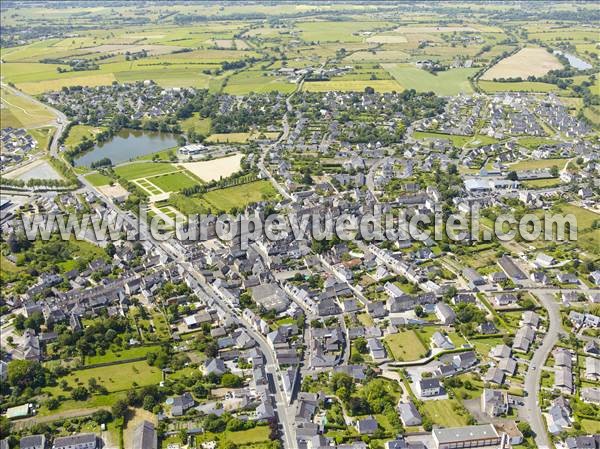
(144, 436)
(468, 433)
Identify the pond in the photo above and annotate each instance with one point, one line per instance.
(575, 62)
(128, 144)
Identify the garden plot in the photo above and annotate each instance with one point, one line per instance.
(167, 213)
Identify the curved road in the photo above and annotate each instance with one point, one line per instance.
(531, 411)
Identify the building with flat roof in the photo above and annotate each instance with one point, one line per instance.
(484, 435)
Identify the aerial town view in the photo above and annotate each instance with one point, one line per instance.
(299, 224)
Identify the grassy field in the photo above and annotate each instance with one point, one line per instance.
(523, 86)
(173, 182)
(239, 196)
(143, 169)
(542, 183)
(78, 132)
(240, 137)
(257, 81)
(42, 136)
(20, 112)
(449, 82)
(125, 354)
(114, 377)
(405, 346)
(590, 426)
(585, 218)
(255, 438)
(335, 31)
(533, 164)
(98, 179)
(199, 124)
(457, 141)
(443, 413)
(352, 86)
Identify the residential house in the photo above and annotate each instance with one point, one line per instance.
(494, 402)
(144, 436)
(409, 414)
(79, 441)
(430, 387)
(33, 442)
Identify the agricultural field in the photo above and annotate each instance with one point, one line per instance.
(20, 112)
(527, 61)
(353, 86)
(521, 86)
(449, 82)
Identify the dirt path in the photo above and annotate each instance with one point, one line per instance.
(75, 413)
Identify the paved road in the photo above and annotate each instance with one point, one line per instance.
(284, 135)
(371, 177)
(531, 411)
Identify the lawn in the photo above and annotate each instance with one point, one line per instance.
(199, 124)
(105, 401)
(449, 82)
(457, 141)
(98, 179)
(443, 413)
(405, 346)
(585, 218)
(114, 377)
(78, 132)
(590, 426)
(241, 438)
(125, 354)
(239, 196)
(533, 164)
(542, 183)
(484, 345)
(138, 170)
(365, 319)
